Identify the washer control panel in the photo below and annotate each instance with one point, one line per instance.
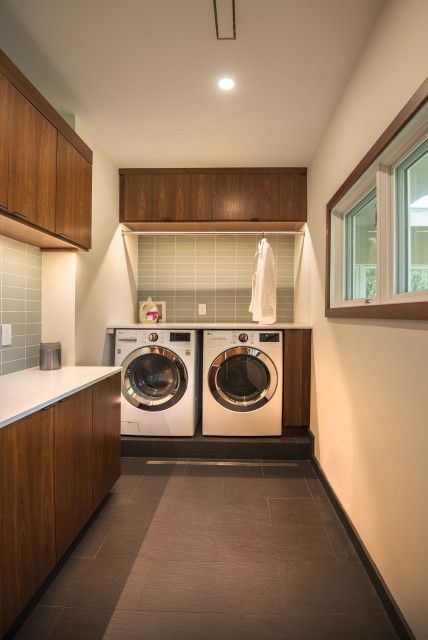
(243, 337)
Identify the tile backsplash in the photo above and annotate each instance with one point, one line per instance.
(188, 270)
(20, 303)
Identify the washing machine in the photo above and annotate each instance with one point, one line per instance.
(242, 383)
(160, 391)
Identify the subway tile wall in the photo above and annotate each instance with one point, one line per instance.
(216, 270)
(20, 303)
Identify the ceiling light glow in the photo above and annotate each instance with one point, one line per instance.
(226, 84)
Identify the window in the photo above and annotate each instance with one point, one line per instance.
(411, 221)
(360, 249)
(377, 225)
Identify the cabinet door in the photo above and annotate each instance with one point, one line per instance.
(169, 197)
(226, 196)
(32, 164)
(27, 526)
(73, 467)
(106, 436)
(200, 196)
(73, 194)
(297, 378)
(292, 196)
(259, 195)
(4, 139)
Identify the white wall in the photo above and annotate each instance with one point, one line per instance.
(369, 410)
(106, 282)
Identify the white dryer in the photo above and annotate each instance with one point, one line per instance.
(160, 393)
(242, 383)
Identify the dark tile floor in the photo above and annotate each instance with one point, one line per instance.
(185, 552)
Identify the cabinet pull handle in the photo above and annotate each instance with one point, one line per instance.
(18, 214)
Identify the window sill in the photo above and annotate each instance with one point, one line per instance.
(395, 311)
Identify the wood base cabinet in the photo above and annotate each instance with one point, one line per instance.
(297, 377)
(56, 466)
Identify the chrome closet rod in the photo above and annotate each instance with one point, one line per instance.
(212, 233)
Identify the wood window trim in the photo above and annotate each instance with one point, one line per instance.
(396, 310)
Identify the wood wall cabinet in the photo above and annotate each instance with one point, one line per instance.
(297, 377)
(45, 169)
(209, 195)
(27, 525)
(73, 194)
(73, 467)
(4, 139)
(32, 164)
(106, 437)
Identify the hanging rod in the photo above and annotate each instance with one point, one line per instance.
(212, 233)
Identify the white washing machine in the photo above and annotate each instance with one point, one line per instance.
(160, 392)
(242, 383)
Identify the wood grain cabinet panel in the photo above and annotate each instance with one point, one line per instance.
(73, 194)
(292, 196)
(169, 196)
(32, 164)
(258, 196)
(73, 467)
(297, 377)
(27, 525)
(106, 436)
(4, 139)
(199, 196)
(135, 197)
(226, 196)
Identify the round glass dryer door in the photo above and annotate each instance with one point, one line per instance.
(153, 378)
(242, 379)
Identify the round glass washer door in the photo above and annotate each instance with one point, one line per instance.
(242, 379)
(153, 378)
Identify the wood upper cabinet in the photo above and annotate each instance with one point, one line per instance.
(185, 195)
(73, 467)
(32, 164)
(27, 525)
(292, 196)
(5, 124)
(73, 194)
(106, 436)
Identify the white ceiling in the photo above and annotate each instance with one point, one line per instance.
(143, 74)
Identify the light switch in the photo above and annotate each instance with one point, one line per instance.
(202, 309)
(6, 335)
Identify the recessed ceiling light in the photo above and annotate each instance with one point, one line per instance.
(226, 84)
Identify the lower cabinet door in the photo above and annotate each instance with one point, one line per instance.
(106, 436)
(73, 467)
(27, 525)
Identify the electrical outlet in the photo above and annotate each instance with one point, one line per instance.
(202, 309)
(6, 335)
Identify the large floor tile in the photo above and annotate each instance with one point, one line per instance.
(343, 548)
(88, 583)
(245, 511)
(125, 539)
(277, 542)
(81, 624)
(302, 512)
(292, 488)
(176, 512)
(297, 469)
(189, 542)
(195, 486)
(327, 588)
(126, 484)
(225, 470)
(120, 507)
(208, 586)
(377, 626)
(91, 541)
(39, 623)
(316, 489)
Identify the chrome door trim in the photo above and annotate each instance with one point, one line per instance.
(245, 405)
(146, 403)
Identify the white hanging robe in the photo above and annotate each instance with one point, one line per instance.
(263, 300)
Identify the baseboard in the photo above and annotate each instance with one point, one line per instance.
(397, 619)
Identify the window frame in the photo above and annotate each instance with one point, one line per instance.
(381, 160)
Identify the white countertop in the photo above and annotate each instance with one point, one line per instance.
(210, 325)
(28, 391)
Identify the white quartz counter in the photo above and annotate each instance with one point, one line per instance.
(211, 325)
(28, 391)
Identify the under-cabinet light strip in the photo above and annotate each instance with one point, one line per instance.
(212, 233)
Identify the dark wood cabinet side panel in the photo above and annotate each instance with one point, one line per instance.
(27, 525)
(106, 436)
(73, 467)
(73, 194)
(5, 124)
(32, 164)
(258, 196)
(297, 377)
(292, 196)
(226, 197)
